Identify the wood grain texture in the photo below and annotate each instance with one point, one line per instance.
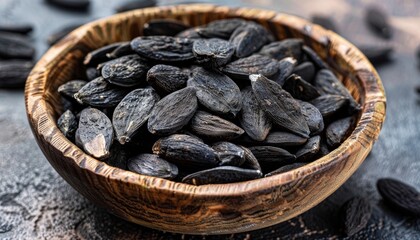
(209, 209)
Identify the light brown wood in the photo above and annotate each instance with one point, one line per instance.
(208, 209)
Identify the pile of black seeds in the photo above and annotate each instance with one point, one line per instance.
(225, 102)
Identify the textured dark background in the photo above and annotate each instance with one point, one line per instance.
(36, 203)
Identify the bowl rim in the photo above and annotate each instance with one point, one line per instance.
(37, 111)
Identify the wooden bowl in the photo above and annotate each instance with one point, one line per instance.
(209, 209)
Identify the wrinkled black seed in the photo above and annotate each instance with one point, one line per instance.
(338, 131)
(272, 155)
(250, 160)
(163, 27)
(328, 105)
(315, 59)
(13, 73)
(217, 92)
(284, 139)
(123, 49)
(313, 117)
(306, 71)
(69, 88)
(132, 112)
(125, 71)
(94, 133)
(229, 154)
(300, 89)
(167, 79)
(282, 49)
(67, 123)
(189, 33)
(211, 126)
(99, 93)
(309, 150)
(173, 112)
(285, 169)
(15, 46)
(248, 39)
(279, 105)
(163, 48)
(132, 5)
(377, 19)
(213, 52)
(221, 28)
(224, 174)
(152, 165)
(356, 213)
(400, 195)
(100, 55)
(252, 118)
(254, 64)
(287, 66)
(185, 151)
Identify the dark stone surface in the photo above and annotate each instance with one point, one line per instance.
(36, 203)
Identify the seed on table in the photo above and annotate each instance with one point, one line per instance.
(282, 49)
(327, 83)
(217, 92)
(126, 71)
(306, 71)
(279, 105)
(132, 112)
(186, 151)
(356, 213)
(377, 19)
(70, 88)
(221, 28)
(13, 73)
(100, 55)
(377, 54)
(224, 174)
(152, 165)
(163, 48)
(313, 117)
(254, 64)
(299, 88)
(213, 127)
(61, 33)
(21, 28)
(285, 169)
(164, 27)
(78, 5)
(173, 112)
(229, 154)
(400, 195)
(338, 131)
(213, 52)
(325, 22)
(248, 39)
(328, 104)
(99, 93)
(314, 58)
(309, 150)
(287, 66)
(95, 133)
(252, 118)
(67, 123)
(15, 46)
(132, 5)
(167, 79)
